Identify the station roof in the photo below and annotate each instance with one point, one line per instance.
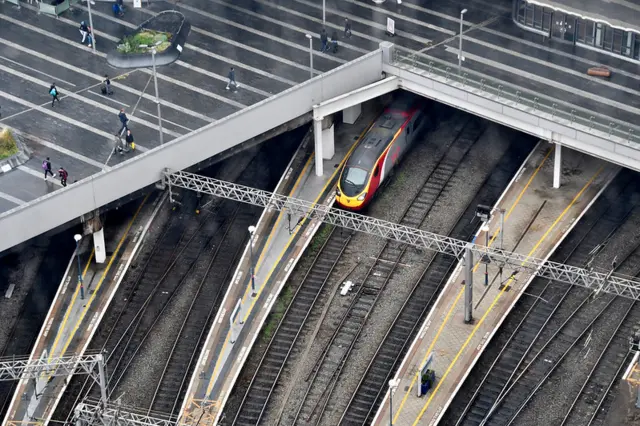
(622, 14)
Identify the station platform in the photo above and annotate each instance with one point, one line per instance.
(72, 319)
(537, 218)
(278, 244)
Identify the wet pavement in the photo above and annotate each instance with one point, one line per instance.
(265, 41)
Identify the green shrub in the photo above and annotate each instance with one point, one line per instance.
(8, 146)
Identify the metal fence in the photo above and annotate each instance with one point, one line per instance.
(579, 118)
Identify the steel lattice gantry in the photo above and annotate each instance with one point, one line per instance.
(599, 281)
(91, 412)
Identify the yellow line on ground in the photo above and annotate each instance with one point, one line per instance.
(324, 188)
(495, 300)
(461, 292)
(69, 308)
(104, 275)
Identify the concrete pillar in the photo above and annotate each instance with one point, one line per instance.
(317, 138)
(93, 226)
(468, 290)
(328, 148)
(387, 52)
(557, 166)
(351, 114)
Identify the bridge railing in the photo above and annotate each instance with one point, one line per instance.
(497, 89)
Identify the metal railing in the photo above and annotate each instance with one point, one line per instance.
(514, 96)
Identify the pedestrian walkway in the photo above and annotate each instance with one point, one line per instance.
(537, 218)
(279, 242)
(77, 310)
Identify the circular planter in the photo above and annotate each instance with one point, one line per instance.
(171, 23)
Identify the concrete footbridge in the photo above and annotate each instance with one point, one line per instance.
(571, 124)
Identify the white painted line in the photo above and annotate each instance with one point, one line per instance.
(257, 32)
(93, 103)
(546, 81)
(61, 39)
(51, 77)
(165, 120)
(221, 78)
(9, 291)
(355, 18)
(108, 98)
(303, 31)
(64, 151)
(38, 174)
(50, 112)
(11, 198)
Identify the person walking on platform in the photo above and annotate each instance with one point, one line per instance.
(130, 141)
(123, 120)
(232, 80)
(53, 91)
(347, 28)
(46, 166)
(324, 39)
(63, 176)
(334, 41)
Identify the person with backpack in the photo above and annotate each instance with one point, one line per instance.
(130, 141)
(46, 166)
(123, 120)
(53, 91)
(63, 176)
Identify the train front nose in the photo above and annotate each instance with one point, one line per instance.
(350, 203)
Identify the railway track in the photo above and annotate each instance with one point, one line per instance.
(552, 320)
(325, 374)
(288, 330)
(368, 395)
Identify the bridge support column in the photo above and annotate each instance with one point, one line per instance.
(557, 166)
(324, 141)
(351, 114)
(94, 226)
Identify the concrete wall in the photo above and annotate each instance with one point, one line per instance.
(53, 210)
(534, 122)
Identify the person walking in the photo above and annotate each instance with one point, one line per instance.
(334, 41)
(123, 120)
(232, 80)
(46, 166)
(89, 37)
(130, 141)
(84, 30)
(63, 176)
(105, 87)
(53, 91)
(347, 28)
(324, 39)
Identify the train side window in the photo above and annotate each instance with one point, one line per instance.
(376, 171)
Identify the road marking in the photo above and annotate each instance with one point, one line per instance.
(495, 300)
(546, 81)
(260, 33)
(91, 102)
(108, 98)
(461, 292)
(286, 25)
(451, 18)
(38, 174)
(51, 77)
(69, 309)
(114, 80)
(372, 24)
(102, 278)
(64, 118)
(164, 120)
(62, 150)
(13, 199)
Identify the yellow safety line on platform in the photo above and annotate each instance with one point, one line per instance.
(324, 188)
(461, 292)
(68, 312)
(495, 300)
(102, 278)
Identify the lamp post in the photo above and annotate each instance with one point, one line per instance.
(324, 15)
(485, 229)
(393, 385)
(252, 230)
(93, 33)
(462, 12)
(310, 54)
(78, 237)
(155, 82)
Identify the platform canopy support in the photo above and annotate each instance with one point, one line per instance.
(557, 166)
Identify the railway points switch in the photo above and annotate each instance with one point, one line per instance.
(346, 288)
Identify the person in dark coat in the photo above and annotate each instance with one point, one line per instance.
(130, 140)
(46, 165)
(347, 28)
(324, 40)
(53, 91)
(232, 80)
(63, 176)
(123, 120)
(334, 41)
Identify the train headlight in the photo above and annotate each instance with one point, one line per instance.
(362, 196)
(338, 192)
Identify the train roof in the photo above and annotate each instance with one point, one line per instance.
(375, 141)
